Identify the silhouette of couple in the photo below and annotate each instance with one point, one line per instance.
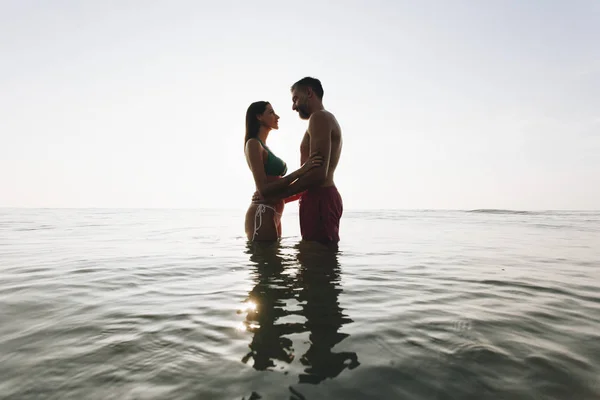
(320, 203)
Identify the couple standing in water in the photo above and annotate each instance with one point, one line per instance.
(321, 207)
(320, 204)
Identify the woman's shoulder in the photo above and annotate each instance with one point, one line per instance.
(254, 144)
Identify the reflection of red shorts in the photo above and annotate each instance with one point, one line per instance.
(320, 213)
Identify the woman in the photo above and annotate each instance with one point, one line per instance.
(263, 221)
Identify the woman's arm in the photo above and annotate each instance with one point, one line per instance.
(254, 155)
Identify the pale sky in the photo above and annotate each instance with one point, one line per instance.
(443, 104)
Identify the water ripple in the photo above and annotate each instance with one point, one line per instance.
(145, 304)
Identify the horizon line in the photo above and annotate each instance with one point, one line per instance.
(243, 208)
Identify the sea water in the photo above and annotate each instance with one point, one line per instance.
(176, 304)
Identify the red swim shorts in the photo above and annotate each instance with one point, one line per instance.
(320, 213)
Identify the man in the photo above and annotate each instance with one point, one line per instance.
(321, 205)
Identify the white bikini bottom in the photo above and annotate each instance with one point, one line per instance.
(260, 210)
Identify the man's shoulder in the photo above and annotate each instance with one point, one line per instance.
(322, 115)
(322, 118)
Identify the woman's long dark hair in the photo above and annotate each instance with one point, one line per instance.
(252, 123)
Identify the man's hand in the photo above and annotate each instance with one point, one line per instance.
(257, 198)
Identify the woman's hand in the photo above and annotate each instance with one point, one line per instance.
(314, 161)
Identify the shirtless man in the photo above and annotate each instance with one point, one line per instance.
(321, 205)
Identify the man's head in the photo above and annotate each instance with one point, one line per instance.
(307, 96)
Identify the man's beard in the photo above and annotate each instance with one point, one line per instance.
(303, 112)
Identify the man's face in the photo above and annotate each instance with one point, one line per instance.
(300, 102)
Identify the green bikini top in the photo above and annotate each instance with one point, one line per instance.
(274, 166)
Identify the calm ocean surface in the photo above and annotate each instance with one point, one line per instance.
(174, 304)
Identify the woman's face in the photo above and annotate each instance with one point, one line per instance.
(269, 118)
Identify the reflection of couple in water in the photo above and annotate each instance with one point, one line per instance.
(315, 286)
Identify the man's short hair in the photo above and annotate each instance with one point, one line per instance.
(312, 83)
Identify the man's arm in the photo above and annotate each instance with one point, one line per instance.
(254, 155)
(304, 148)
(319, 129)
